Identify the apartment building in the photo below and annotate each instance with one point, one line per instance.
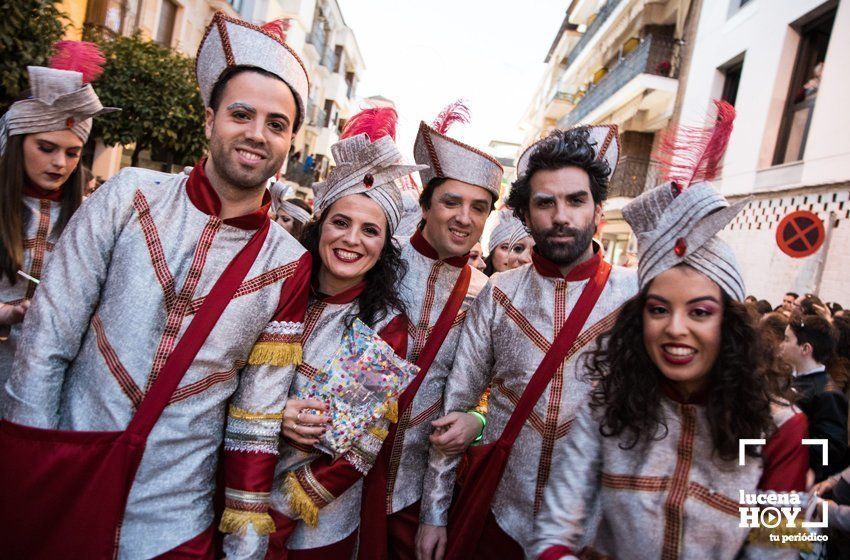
(317, 31)
(614, 61)
(783, 65)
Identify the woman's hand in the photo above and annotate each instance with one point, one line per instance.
(824, 488)
(304, 420)
(454, 432)
(13, 314)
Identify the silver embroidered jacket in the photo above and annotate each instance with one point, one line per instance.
(425, 290)
(324, 326)
(668, 498)
(508, 329)
(40, 217)
(125, 280)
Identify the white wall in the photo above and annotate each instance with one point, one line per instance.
(761, 30)
(820, 183)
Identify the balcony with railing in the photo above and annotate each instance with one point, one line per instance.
(653, 56)
(329, 58)
(629, 180)
(559, 104)
(592, 29)
(318, 37)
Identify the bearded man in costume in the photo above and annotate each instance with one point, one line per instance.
(524, 338)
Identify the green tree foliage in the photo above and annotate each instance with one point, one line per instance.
(28, 29)
(160, 103)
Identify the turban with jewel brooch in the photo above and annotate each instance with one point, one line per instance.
(61, 97)
(678, 221)
(367, 162)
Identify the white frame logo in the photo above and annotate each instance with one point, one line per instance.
(773, 510)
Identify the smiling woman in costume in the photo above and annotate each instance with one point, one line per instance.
(680, 380)
(41, 181)
(356, 270)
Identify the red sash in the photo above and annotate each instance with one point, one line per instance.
(486, 463)
(373, 516)
(63, 493)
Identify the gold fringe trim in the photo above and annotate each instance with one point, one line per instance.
(275, 353)
(235, 521)
(299, 501)
(378, 432)
(242, 414)
(761, 536)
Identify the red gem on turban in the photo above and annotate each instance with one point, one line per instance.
(681, 247)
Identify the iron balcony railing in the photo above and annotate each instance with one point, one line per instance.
(652, 56)
(591, 30)
(629, 179)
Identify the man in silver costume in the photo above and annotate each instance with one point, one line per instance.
(511, 326)
(460, 186)
(132, 269)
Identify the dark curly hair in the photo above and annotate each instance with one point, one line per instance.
(627, 384)
(562, 148)
(381, 296)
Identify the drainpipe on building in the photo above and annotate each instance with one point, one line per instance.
(822, 254)
(686, 32)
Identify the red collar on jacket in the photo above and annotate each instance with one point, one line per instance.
(205, 199)
(424, 248)
(673, 393)
(34, 191)
(582, 271)
(345, 296)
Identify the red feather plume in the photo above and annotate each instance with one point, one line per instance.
(452, 113)
(690, 154)
(376, 122)
(278, 27)
(78, 56)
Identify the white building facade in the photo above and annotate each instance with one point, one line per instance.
(783, 65)
(614, 62)
(318, 33)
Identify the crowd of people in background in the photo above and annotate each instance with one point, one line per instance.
(810, 340)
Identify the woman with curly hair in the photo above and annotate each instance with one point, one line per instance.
(680, 380)
(356, 271)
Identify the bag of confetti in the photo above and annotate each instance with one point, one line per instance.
(361, 382)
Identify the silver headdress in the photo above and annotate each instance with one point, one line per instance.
(604, 138)
(508, 229)
(60, 96)
(233, 42)
(367, 167)
(448, 158)
(281, 194)
(678, 222)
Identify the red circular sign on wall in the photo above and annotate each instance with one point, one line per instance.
(800, 234)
